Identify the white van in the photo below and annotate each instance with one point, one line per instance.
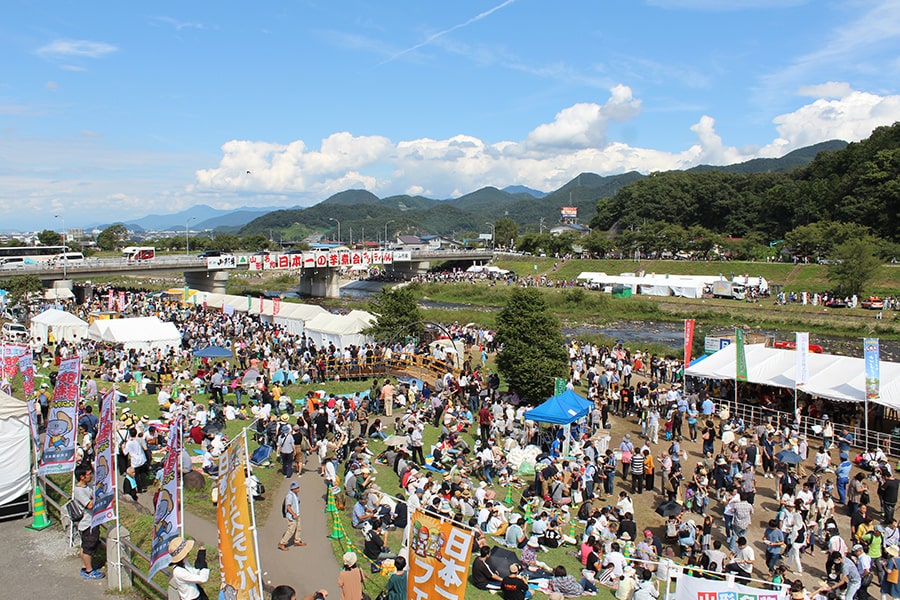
(69, 258)
(14, 332)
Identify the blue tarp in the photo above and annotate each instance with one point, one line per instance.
(212, 352)
(568, 407)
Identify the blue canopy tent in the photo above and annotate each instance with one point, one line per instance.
(212, 352)
(564, 409)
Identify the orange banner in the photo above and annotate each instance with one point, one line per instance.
(439, 555)
(237, 539)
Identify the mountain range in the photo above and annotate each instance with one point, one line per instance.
(363, 214)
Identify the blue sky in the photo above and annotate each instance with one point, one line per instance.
(114, 110)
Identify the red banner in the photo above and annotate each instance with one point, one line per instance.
(688, 341)
(276, 305)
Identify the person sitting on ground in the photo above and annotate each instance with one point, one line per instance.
(483, 576)
(564, 583)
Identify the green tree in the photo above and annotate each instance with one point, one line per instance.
(254, 242)
(854, 265)
(227, 241)
(397, 313)
(21, 287)
(112, 236)
(533, 347)
(48, 237)
(505, 232)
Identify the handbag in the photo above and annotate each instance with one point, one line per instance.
(893, 576)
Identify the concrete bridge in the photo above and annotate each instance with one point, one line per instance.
(211, 274)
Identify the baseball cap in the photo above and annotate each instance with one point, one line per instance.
(295, 485)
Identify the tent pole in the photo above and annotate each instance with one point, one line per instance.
(565, 448)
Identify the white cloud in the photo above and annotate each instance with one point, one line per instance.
(831, 89)
(550, 155)
(76, 48)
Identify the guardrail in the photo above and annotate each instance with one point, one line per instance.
(49, 486)
(863, 439)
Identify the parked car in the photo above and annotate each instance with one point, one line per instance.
(14, 332)
(213, 253)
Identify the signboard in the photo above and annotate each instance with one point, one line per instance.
(228, 261)
(559, 386)
(696, 588)
(485, 236)
(568, 212)
(439, 558)
(802, 366)
(712, 344)
(332, 259)
(167, 521)
(872, 350)
(688, 341)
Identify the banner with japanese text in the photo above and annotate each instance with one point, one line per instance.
(872, 349)
(104, 508)
(26, 365)
(740, 365)
(237, 538)
(276, 306)
(801, 369)
(688, 341)
(11, 354)
(122, 301)
(439, 558)
(110, 301)
(58, 455)
(167, 515)
(696, 588)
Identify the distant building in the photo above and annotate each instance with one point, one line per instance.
(439, 242)
(410, 242)
(569, 227)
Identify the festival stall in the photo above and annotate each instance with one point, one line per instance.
(63, 325)
(340, 330)
(141, 333)
(563, 409)
(15, 457)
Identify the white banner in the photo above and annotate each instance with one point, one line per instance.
(227, 261)
(802, 368)
(62, 423)
(167, 518)
(335, 259)
(695, 588)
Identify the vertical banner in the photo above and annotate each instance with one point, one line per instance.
(261, 304)
(873, 368)
(801, 374)
(276, 306)
(249, 303)
(237, 539)
(11, 354)
(110, 301)
(104, 467)
(559, 386)
(688, 341)
(62, 423)
(166, 520)
(26, 365)
(122, 301)
(439, 558)
(741, 354)
(185, 293)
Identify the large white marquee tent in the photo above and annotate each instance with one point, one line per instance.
(141, 333)
(841, 378)
(63, 325)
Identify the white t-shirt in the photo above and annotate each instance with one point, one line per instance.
(135, 451)
(617, 561)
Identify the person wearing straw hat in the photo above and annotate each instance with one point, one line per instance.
(186, 579)
(351, 578)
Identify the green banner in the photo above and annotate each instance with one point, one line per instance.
(559, 386)
(741, 363)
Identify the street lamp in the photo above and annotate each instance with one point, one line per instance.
(187, 239)
(492, 234)
(385, 233)
(65, 258)
(339, 228)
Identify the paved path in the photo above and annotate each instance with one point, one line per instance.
(40, 564)
(306, 568)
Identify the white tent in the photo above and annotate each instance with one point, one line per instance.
(841, 378)
(15, 451)
(294, 317)
(58, 294)
(63, 325)
(341, 330)
(142, 333)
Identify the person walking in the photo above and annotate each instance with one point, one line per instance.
(396, 585)
(291, 511)
(286, 447)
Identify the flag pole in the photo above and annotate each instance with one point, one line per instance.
(252, 512)
(180, 470)
(115, 470)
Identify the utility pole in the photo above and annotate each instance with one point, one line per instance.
(542, 225)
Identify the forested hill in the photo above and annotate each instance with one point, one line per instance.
(858, 184)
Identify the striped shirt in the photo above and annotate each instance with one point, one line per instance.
(637, 464)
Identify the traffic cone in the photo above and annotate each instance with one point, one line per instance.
(131, 393)
(337, 532)
(571, 528)
(330, 506)
(509, 500)
(528, 518)
(40, 521)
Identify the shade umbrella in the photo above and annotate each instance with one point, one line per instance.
(669, 508)
(250, 377)
(788, 457)
(212, 352)
(396, 440)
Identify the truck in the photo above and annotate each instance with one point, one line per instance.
(138, 253)
(729, 289)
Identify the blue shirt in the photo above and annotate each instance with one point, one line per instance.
(843, 470)
(707, 407)
(775, 535)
